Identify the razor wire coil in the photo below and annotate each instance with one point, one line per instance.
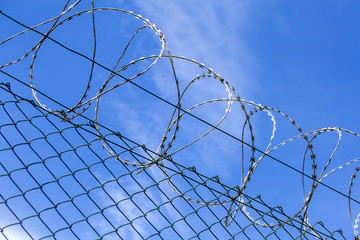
(161, 156)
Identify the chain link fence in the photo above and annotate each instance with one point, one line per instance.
(57, 182)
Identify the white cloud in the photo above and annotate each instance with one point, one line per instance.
(15, 233)
(211, 32)
(208, 31)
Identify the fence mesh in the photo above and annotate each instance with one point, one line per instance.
(58, 183)
(64, 176)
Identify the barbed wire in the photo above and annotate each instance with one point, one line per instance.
(185, 181)
(165, 148)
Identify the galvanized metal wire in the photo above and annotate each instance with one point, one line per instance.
(68, 177)
(59, 183)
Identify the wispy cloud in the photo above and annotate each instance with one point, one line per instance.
(141, 203)
(210, 32)
(205, 31)
(15, 233)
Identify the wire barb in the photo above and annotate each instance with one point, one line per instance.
(186, 183)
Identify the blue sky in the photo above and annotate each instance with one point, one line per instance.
(302, 58)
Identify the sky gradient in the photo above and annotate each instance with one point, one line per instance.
(303, 59)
